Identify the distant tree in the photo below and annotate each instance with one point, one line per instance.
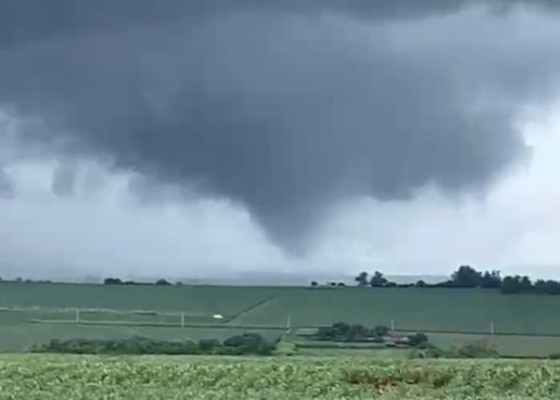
(510, 285)
(325, 333)
(340, 329)
(207, 345)
(525, 285)
(417, 339)
(380, 331)
(491, 280)
(476, 349)
(234, 341)
(421, 284)
(332, 283)
(341, 284)
(466, 277)
(112, 281)
(546, 287)
(314, 283)
(377, 280)
(19, 279)
(357, 332)
(162, 282)
(362, 279)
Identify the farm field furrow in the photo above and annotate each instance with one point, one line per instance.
(199, 378)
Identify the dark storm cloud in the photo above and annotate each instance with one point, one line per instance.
(6, 185)
(64, 179)
(268, 104)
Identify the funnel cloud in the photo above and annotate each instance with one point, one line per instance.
(285, 107)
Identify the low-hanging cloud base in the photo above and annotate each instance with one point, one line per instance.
(271, 120)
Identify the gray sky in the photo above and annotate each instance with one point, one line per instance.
(180, 137)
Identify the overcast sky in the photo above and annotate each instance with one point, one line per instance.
(183, 138)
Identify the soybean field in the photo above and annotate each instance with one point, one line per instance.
(80, 377)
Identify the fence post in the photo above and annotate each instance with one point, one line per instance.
(182, 319)
(492, 328)
(289, 321)
(77, 315)
(392, 324)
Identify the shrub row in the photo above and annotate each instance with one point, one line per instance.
(476, 349)
(246, 344)
(344, 332)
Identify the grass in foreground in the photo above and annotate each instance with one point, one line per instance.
(141, 378)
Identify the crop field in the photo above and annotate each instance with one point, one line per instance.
(197, 300)
(198, 378)
(34, 313)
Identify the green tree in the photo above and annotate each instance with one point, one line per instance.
(510, 285)
(466, 277)
(362, 279)
(377, 280)
(491, 280)
(381, 331)
(417, 339)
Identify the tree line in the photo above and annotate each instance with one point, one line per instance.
(245, 344)
(468, 277)
(159, 282)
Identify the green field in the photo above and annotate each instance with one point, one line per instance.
(454, 310)
(33, 313)
(199, 378)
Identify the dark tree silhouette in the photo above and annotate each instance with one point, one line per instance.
(362, 279)
(377, 280)
(466, 277)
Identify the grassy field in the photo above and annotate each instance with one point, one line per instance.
(32, 313)
(142, 378)
(431, 310)
(197, 300)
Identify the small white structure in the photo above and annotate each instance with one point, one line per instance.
(218, 316)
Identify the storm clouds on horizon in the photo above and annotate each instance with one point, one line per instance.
(286, 107)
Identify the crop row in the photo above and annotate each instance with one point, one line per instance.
(55, 377)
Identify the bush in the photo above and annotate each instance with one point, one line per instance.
(477, 349)
(208, 345)
(344, 332)
(325, 333)
(417, 339)
(247, 344)
(234, 341)
(427, 351)
(254, 343)
(381, 331)
(285, 348)
(356, 332)
(554, 356)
